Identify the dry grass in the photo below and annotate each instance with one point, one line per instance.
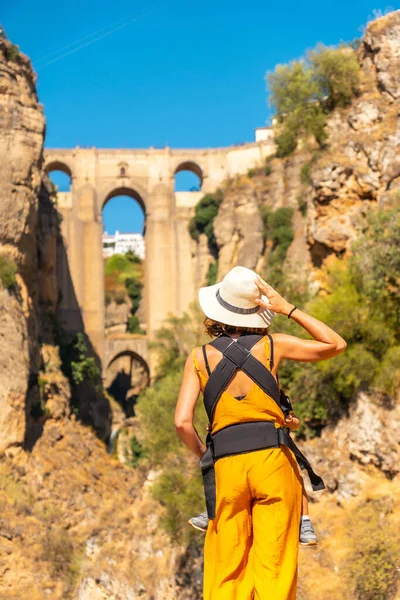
(381, 23)
(327, 570)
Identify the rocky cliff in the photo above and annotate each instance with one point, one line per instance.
(21, 141)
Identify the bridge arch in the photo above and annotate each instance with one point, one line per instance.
(60, 174)
(192, 167)
(127, 191)
(126, 375)
(136, 192)
(134, 355)
(58, 165)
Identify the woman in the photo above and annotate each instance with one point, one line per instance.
(252, 481)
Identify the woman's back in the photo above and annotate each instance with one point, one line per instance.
(242, 400)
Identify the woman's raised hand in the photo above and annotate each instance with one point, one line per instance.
(276, 303)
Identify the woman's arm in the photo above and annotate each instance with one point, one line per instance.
(326, 344)
(184, 412)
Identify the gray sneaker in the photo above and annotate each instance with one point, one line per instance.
(307, 533)
(200, 522)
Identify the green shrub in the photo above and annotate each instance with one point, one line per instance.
(116, 263)
(136, 452)
(157, 418)
(12, 52)
(133, 257)
(337, 73)
(174, 484)
(133, 325)
(176, 338)
(375, 264)
(302, 203)
(372, 569)
(294, 95)
(267, 170)
(57, 550)
(193, 231)
(134, 289)
(251, 173)
(303, 91)
(84, 368)
(387, 379)
(278, 231)
(305, 173)
(360, 301)
(203, 221)
(39, 409)
(212, 273)
(8, 271)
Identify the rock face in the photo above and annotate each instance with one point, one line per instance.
(238, 227)
(21, 142)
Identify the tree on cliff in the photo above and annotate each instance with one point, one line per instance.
(304, 91)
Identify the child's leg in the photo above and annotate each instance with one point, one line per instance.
(307, 533)
(304, 504)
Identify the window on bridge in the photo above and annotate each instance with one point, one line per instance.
(188, 178)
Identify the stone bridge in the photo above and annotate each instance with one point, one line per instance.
(126, 344)
(148, 177)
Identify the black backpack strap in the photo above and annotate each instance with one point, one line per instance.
(250, 340)
(220, 376)
(206, 359)
(237, 356)
(262, 377)
(271, 351)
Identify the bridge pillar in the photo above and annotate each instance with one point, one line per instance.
(93, 303)
(185, 291)
(160, 269)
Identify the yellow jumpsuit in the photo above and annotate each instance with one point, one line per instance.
(251, 546)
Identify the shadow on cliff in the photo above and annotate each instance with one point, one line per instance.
(60, 322)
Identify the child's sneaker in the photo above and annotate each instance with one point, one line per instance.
(200, 522)
(307, 533)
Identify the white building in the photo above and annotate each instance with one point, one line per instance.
(120, 243)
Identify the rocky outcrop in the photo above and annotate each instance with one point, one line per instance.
(75, 523)
(117, 315)
(382, 48)
(21, 142)
(238, 227)
(369, 436)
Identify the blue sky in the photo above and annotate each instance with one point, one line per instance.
(175, 73)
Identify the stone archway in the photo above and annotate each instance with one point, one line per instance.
(126, 375)
(57, 165)
(191, 166)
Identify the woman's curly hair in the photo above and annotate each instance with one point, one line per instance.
(215, 328)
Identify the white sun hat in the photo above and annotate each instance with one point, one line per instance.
(232, 301)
